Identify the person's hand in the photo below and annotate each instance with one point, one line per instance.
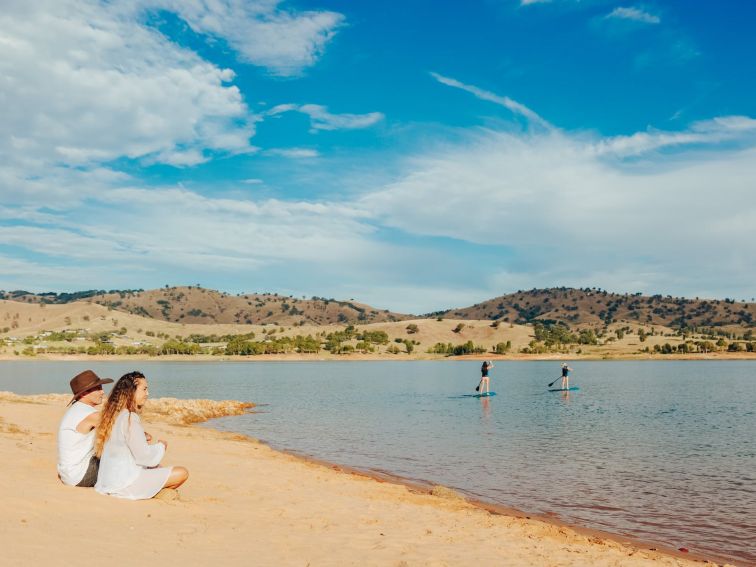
(164, 443)
(147, 436)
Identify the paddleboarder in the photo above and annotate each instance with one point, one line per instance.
(565, 376)
(484, 382)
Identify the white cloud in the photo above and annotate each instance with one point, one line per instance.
(571, 206)
(512, 105)
(321, 119)
(531, 2)
(634, 14)
(82, 83)
(167, 231)
(293, 153)
(712, 131)
(284, 41)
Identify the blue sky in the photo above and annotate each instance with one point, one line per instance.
(415, 155)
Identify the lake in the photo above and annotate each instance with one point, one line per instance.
(663, 451)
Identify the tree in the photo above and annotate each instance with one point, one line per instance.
(502, 348)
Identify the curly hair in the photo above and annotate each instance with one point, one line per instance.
(121, 397)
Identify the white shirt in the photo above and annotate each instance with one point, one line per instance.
(126, 454)
(74, 449)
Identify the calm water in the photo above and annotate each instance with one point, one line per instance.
(663, 451)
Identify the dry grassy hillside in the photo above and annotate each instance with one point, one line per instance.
(25, 328)
(590, 307)
(20, 321)
(198, 305)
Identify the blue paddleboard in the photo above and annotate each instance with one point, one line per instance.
(563, 389)
(484, 395)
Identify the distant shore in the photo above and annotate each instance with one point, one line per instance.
(326, 356)
(247, 502)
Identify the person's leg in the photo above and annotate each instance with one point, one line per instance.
(488, 388)
(177, 478)
(567, 382)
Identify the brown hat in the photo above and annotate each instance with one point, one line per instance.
(86, 381)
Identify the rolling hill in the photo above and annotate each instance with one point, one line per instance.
(190, 304)
(576, 308)
(590, 307)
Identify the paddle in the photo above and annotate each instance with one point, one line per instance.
(554, 382)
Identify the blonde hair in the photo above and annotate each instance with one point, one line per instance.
(122, 396)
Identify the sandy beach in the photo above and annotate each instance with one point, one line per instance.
(246, 504)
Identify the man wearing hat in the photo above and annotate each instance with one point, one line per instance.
(77, 465)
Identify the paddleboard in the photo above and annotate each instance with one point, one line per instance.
(484, 395)
(563, 389)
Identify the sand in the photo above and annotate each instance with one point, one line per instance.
(246, 504)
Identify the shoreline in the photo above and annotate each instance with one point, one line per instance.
(338, 497)
(428, 488)
(296, 357)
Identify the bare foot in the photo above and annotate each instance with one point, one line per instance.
(168, 495)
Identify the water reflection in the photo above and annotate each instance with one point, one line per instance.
(485, 405)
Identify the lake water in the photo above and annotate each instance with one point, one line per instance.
(659, 450)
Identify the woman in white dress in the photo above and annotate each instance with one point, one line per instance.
(128, 463)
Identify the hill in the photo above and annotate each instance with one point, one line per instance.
(590, 307)
(190, 304)
(576, 308)
(76, 326)
(81, 328)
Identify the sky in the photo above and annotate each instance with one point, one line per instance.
(415, 155)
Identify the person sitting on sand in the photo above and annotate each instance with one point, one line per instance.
(128, 463)
(77, 464)
(565, 376)
(484, 381)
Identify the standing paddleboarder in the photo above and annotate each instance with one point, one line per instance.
(487, 365)
(565, 376)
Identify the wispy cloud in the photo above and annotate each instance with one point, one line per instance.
(321, 119)
(714, 131)
(508, 103)
(573, 208)
(634, 14)
(293, 153)
(531, 2)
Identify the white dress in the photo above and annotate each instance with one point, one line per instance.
(128, 466)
